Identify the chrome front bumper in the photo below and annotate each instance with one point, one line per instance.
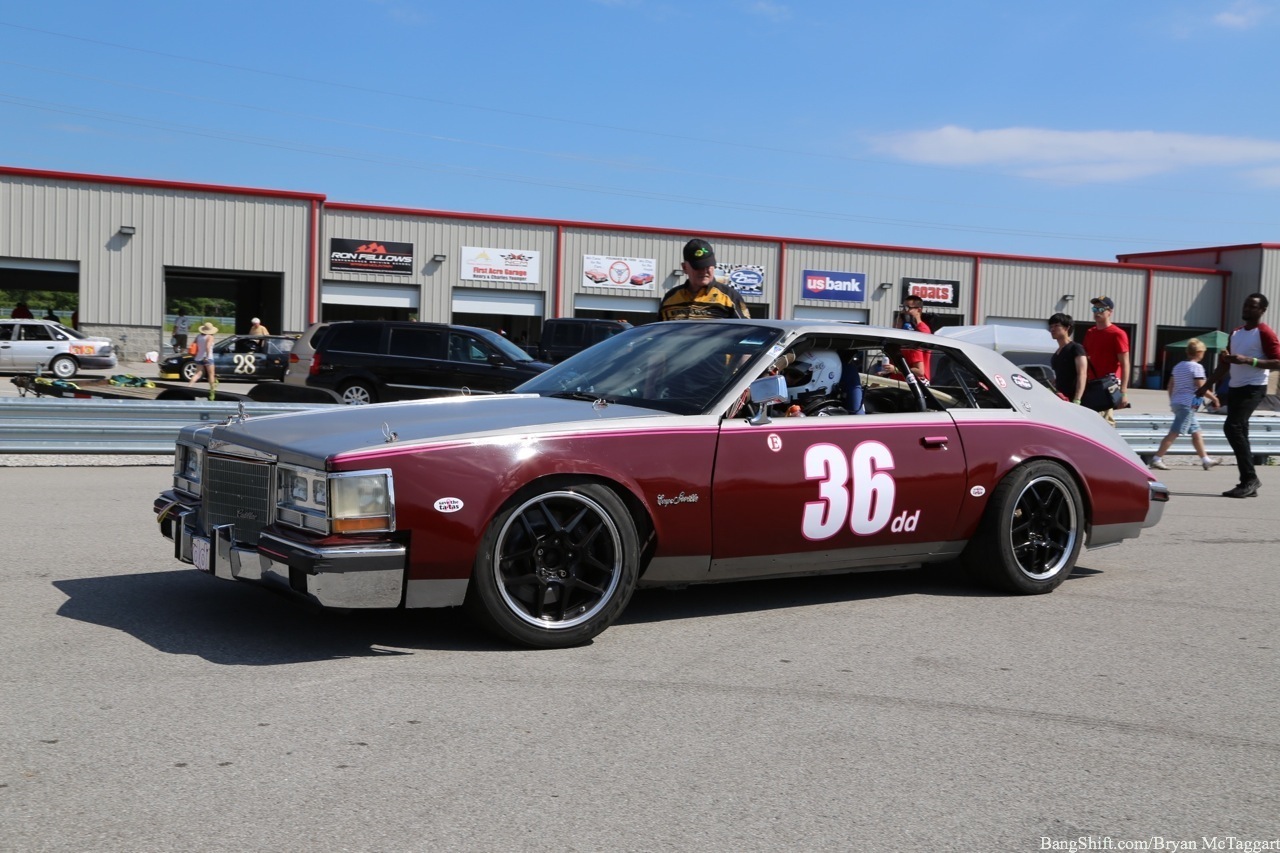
(349, 576)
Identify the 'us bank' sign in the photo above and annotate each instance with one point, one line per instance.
(844, 286)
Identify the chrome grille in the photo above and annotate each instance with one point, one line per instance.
(238, 492)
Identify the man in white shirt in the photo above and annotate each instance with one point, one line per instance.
(1254, 351)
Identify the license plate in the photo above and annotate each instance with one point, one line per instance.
(200, 554)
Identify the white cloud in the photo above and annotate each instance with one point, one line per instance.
(1091, 156)
(1269, 177)
(1241, 15)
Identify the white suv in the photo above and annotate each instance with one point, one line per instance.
(30, 345)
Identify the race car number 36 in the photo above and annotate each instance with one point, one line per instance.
(857, 490)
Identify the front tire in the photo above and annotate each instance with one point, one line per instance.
(556, 568)
(358, 394)
(192, 371)
(64, 367)
(1032, 532)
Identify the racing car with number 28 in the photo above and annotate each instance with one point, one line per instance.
(673, 453)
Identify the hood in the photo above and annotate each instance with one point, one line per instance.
(313, 436)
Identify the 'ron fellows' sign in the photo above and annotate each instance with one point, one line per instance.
(370, 256)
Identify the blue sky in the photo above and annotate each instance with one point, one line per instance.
(1079, 130)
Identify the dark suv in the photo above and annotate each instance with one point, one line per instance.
(374, 361)
(566, 336)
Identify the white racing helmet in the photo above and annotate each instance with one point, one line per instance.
(815, 373)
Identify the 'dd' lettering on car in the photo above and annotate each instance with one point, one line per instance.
(857, 490)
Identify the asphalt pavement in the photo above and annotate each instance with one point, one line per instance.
(148, 707)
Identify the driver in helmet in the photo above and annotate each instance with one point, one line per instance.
(813, 383)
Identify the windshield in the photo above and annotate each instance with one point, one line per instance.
(680, 367)
(504, 346)
(69, 332)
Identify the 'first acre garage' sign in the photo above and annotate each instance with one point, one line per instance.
(370, 256)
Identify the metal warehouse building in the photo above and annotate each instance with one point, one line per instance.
(129, 249)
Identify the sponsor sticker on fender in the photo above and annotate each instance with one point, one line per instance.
(448, 504)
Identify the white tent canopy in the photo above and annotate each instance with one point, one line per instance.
(1003, 339)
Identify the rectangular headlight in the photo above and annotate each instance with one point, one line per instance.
(188, 465)
(361, 502)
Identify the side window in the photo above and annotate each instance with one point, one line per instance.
(602, 333)
(33, 332)
(465, 348)
(566, 335)
(835, 375)
(359, 338)
(417, 343)
(6, 331)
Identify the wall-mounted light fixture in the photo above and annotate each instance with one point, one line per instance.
(677, 271)
(886, 285)
(439, 258)
(1067, 297)
(128, 230)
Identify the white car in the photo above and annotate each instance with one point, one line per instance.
(31, 345)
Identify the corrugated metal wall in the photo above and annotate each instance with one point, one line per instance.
(122, 278)
(879, 266)
(438, 235)
(666, 251)
(77, 219)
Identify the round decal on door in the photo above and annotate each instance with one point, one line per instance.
(774, 441)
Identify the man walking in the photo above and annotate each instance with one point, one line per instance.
(1253, 352)
(1107, 346)
(701, 297)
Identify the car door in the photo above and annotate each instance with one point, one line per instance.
(476, 365)
(820, 493)
(415, 364)
(6, 346)
(33, 346)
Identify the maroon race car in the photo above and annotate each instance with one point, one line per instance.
(670, 454)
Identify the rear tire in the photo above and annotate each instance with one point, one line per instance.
(64, 367)
(358, 394)
(1032, 531)
(556, 567)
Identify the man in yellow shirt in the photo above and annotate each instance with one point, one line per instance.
(701, 297)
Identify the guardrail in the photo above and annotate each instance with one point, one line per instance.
(1144, 432)
(50, 425)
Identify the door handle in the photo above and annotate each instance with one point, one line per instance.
(935, 440)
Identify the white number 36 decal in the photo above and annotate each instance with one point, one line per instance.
(859, 489)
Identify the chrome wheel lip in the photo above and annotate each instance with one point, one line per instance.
(518, 609)
(1030, 502)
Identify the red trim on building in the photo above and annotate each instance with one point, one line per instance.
(154, 184)
(313, 265)
(782, 277)
(1200, 251)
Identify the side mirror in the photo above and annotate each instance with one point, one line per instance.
(765, 392)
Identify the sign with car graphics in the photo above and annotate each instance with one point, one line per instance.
(512, 266)
(370, 256)
(618, 273)
(747, 278)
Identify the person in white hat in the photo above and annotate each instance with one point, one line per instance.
(256, 327)
(204, 353)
